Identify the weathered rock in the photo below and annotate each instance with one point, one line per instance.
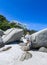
(25, 56)
(22, 44)
(39, 39)
(1, 32)
(8, 31)
(14, 54)
(43, 49)
(1, 42)
(12, 35)
(25, 48)
(5, 48)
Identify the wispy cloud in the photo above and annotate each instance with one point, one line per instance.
(36, 26)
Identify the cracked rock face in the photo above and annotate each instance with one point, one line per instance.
(25, 56)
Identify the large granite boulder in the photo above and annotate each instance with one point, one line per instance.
(12, 35)
(39, 39)
(15, 56)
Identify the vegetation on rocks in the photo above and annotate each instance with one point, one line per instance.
(5, 24)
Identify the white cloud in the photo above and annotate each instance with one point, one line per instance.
(34, 26)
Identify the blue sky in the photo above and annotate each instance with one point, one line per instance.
(33, 13)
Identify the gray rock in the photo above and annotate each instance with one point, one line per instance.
(1, 32)
(25, 48)
(5, 48)
(39, 39)
(1, 42)
(12, 35)
(43, 49)
(22, 44)
(25, 56)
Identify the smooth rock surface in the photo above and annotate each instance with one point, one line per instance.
(8, 31)
(39, 39)
(43, 49)
(25, 48)
(26, 55)
(12, 35)
(13, 55)
(1, 42)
